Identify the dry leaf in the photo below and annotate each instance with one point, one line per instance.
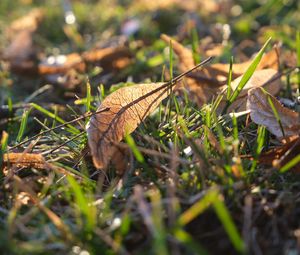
(21, 52)
(205, 83)
(281, 155)
(126, 109)
(261, 113)
(219, 72)
(110, 57)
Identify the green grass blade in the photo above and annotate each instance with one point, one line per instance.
(275, 113)
(290, 164)
(10, 106)
(23, 125)
(171, 60)
(159, 235)
(197, 208)
(260, 141)
(247, 75)
(88, 97)
(229, 78)
(298, 55)
(72, 129)
(138, 155)
(83, 204)
(235, 128)
(228, 224)
(195, 41)
(4, 141)
(185, 238)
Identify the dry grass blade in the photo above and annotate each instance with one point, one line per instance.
(24, 160)
(266, 110)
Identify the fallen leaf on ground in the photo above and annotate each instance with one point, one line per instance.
(21, 52)
(281, 155)
(205, 83)
(109, 58)
(260, 105)
(126, 109)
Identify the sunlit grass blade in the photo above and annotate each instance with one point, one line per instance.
(72, 129)
(10, 105)
(260, 141)
(171, 60)
(185, 238)
(229, 78)
(235, 128)
(101, 91)
(228, 224)
(138, 155)
(247, 75)
(23, 125)
(4, 141)
(214, 198)
(298, 56)
(157, 218)
(290, 164)
(275, 112)
(195, 41)
(88, 97)
(198, 208)
(84, 204)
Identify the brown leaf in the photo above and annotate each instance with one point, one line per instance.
(126, 109)
(21, 52)
(281, 155)
(109, 58)
(184, 54)
(262, 113)
(203, 84)
(219, 71)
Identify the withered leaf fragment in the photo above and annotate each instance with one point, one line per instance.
(281, 155)
(127, 108)
(260, 104)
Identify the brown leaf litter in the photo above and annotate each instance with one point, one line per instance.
(260, 104)
(281, 155)
(206, 83)
(23, 57)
